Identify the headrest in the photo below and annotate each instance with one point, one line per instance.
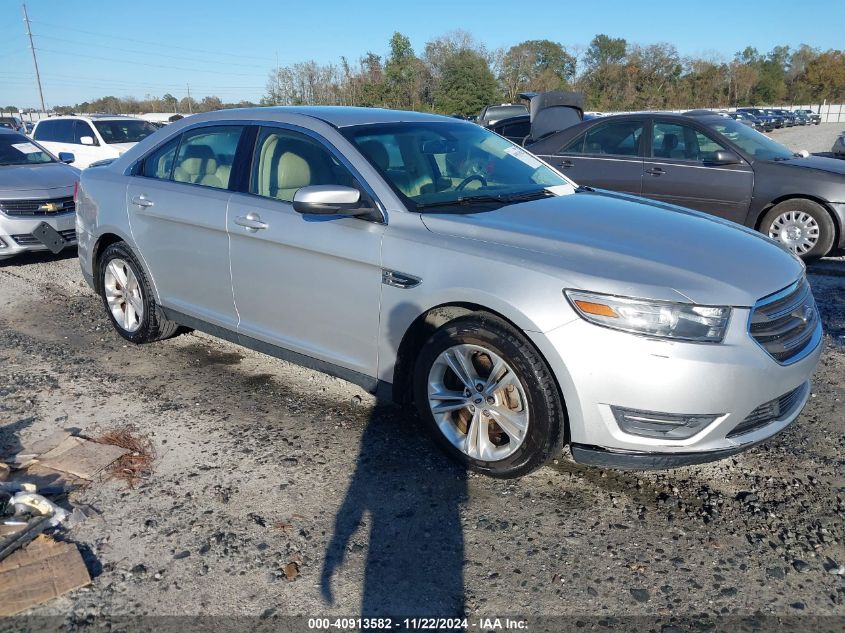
(293, 172)
(376, 152)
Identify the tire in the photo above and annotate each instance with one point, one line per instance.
(142, 319)
(526, 397)
(814, 230)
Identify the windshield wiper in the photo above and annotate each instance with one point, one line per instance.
(488, 199)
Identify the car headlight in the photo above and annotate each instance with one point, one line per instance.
(664, 319)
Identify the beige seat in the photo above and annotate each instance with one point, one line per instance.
(199, 166)
(404, 181)
(286, 165)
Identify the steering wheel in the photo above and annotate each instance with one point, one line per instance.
(469, 179)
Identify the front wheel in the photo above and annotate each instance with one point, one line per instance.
(488, 397)
(801, 225)
(128, 297)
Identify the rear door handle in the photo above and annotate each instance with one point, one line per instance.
(566, 164)
(655, 171)
(251, 221)
(141, 201)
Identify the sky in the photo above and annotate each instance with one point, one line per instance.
(88, 49)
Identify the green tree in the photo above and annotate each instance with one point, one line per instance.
(402, 73)
(466, 84)
(536, 65)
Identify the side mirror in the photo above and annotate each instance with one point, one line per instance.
(329, 200)
(66, 157)
(724, 157)
(87, 140)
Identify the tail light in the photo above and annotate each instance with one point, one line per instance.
(75, 192)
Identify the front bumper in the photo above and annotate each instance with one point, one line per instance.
(598, 368)
(16, 232)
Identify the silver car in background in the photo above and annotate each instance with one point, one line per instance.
(432, 261)
(36, 197)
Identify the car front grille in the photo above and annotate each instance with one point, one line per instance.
(38, 208)
(26, 239)
(771, 411)
(787, 324)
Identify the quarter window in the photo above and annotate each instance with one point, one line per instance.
(286, 161)
(681, 142)
(618, 138)
(159, 164)
(206, 155)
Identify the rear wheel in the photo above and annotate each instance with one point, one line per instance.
(801, 225)
(488, 397)
(128, 297)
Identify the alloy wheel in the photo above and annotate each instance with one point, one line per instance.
(123, 295)
(478, 402)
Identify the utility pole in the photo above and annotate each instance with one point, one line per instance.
(34, 60)
(190, 106)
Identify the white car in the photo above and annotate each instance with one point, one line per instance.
(91, 138)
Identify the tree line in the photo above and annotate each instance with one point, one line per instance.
(456, 74)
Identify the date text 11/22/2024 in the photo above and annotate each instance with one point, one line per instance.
(417, 624)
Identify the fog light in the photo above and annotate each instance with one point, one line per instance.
(661, 425)
(2, 243)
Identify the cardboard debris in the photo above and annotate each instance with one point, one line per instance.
(80, 458)
(4, 472)
(27, 455)
(43, 570)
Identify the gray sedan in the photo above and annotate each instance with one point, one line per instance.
(36, 197)
(713, 164)
(432, 261)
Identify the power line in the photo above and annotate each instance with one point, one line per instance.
(136, 63)
(149, 42)
(157, 54)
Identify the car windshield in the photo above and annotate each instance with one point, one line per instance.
(445, 165)
(16, 149)
(751, 141)
(124, 131)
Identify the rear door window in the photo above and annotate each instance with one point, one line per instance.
(617, 138)
(57, 131)
(206, 156)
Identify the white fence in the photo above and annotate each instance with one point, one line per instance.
(830, 112)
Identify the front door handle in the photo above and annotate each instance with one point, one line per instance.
(251, 221)
(141, 201)
(655, 171)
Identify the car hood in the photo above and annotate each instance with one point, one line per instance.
(617, 244)
(120, 148)
(821, 163)
(19, 181)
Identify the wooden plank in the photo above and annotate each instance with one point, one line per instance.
(43, 570)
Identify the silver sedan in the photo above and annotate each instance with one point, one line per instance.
(432, 261)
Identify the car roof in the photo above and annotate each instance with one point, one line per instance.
(337, 116)
(91, 117)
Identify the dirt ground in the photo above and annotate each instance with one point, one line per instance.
(264, 468)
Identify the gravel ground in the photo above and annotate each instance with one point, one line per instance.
(262, 464)
(816, 139)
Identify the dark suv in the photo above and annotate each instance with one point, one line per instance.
(710, 163)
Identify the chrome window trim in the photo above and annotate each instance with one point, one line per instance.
(316, 137)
